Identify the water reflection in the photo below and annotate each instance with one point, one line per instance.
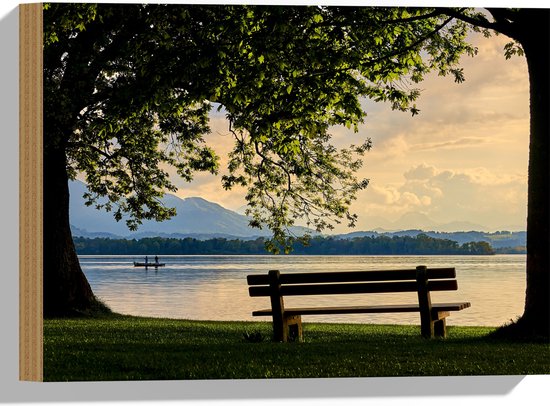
(214, 287)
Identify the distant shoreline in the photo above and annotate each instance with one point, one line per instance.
(379, 245)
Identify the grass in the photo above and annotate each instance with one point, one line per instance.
(131, 348)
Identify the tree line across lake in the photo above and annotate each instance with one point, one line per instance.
(370, 245)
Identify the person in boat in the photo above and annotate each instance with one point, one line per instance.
(146, 259)
(156, 259)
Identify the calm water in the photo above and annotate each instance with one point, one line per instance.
(214, 287)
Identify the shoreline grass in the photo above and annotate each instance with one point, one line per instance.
(117, 347)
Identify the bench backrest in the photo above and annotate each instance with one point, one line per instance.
(348, 282)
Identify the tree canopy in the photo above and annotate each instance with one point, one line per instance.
(133, 87)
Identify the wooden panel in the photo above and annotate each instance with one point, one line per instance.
(342, 310)
(352, 276)
(440, 328)
(425, 303)
(263, 312)
(280, 332)
(337, 289)
(437, 315)
(441, 273)
(398, 308)
(354, 309)
(442, 307)
(352, 288)
(258, 279)
(451, 284)
(30, 192)
(348, 288)
(257, 291)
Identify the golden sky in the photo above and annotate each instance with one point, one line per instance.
(463, 158)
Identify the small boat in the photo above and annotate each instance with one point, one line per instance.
(149, 264)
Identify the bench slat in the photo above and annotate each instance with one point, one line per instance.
(351, 288)
(352, 276)
(404, 308)
(348, 288)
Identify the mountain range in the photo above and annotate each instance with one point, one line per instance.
(499, 239)
(415, 220)
(200, 219)
(196, 217)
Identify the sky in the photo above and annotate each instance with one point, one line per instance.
(462, 159)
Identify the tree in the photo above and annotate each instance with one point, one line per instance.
(530, 30)
(128, 90)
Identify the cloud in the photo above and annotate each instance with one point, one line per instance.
(394, 200)
(383, 195)
(394, 147)
(491, 106)
(452, 144)
(422, 171)
(477, 195)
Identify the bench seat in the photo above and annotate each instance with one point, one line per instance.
(436, 308)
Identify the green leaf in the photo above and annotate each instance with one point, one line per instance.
(318, 18)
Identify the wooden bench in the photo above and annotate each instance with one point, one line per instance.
(287, 323)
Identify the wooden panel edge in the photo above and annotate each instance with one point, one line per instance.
(30, 193)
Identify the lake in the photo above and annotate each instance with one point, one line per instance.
(209, 287)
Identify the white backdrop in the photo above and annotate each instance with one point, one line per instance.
(507, 390)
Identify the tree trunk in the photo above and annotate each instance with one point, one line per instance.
(66, 289)
(535, 40)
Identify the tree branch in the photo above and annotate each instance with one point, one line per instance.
(503, 21)
(478, 21)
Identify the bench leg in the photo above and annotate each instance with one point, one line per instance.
(294, 328)
(440, 323)
(279, 329)
(288, 329)
(427, 327)
(440, 328)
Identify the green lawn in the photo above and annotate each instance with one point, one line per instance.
(132, 348)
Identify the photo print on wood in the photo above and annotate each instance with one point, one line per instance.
(203, 195)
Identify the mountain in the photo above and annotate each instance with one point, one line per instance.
(195, 217)
(499, 239)
(455, 226)
(413, 220)
(420, 221)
